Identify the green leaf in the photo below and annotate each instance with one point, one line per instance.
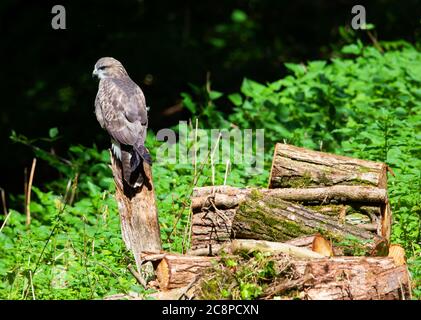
(236, 99)
(188, 102)
(53, 132)
(351, 49)
(213, 95)
(368, 26)
(298, 69)
(238, 16)
(251, 88)
(217, 42)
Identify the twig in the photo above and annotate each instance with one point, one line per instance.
(195, 147)
(187, 288)
(74, 188)
(213, 170)
(375, 42)
(285, 286)
(5, 220)
(25, 186)
(226, 171)
(32, 285)
(211, 158)
(138, 277)
(3, 200)
(190, 221)
(28, 195)
(192, 185)
(152, 256)
(409, 283)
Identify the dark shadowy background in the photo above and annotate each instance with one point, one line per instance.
(165, 45)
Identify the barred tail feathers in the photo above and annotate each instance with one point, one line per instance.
(132, 162)
(139, 153)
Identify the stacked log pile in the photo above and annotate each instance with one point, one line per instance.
(327, 214)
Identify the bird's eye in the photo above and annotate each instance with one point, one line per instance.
(102, 67)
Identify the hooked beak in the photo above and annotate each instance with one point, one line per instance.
(95, 73)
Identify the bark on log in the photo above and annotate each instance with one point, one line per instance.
(356, 278)
(229, 197)
(274, 248)
(138, 213)
(303, 242)
(302, 168)
(299, 247)
(211, 228)
(209, 251)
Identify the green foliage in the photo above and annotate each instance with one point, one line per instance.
(73, 247)
(352, 246)
(245, 279)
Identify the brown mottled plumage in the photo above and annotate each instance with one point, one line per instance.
(120, 108)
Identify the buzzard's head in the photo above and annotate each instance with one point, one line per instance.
(109, 68)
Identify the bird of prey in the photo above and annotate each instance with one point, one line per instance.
(120, 109)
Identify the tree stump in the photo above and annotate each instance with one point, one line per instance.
(138, 213)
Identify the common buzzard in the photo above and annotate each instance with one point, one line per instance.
(120, 108)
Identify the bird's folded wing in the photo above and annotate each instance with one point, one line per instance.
(124, 111)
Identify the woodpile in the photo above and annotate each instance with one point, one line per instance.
(326, 216)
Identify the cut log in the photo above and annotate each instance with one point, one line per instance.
(230, 197)
(294, 167)
(304, 242)
(356, 278)
(223, 213)
(269, 218)
(322, 246)
(138, 213)
(397, 252)
(334, 278)
(211, 228)
(176, 271)
(299, 248)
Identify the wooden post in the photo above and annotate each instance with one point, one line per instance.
(138, 213)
